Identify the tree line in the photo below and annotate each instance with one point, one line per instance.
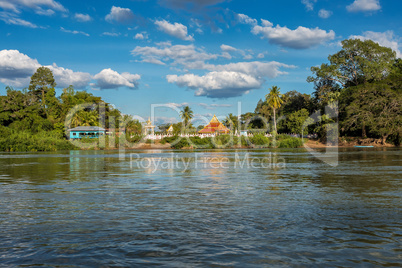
(361, 85)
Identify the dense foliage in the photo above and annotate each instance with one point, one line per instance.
(357, 93)
(34, 119)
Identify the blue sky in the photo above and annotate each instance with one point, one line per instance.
(208, 54)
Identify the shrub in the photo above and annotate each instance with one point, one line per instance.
(259, 140)
(290, 142)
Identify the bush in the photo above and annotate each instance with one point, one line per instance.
(259, 140)
(180, 144)
(290, 142)
(43, 141)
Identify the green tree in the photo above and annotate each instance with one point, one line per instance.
(186, 115)
(274, 100)
(356, 63)
(378, 107)
(298, 120)
(41, 82)
(231, 121)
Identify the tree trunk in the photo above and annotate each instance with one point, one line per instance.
(275, 120)
(364, 135)
(384, 139)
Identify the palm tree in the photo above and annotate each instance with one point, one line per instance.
(186, 115)
(274, 100)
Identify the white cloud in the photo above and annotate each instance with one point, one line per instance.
(213, 106)
(227, 48)
(82, 17)
(178, 105)
(230, 80)
(10, 18)
(73, 32)
(120, 15)
(246, 19)
(217, 84)
(266, 23)
(309, 4)
(324, 14)
(189, 4)
(386, 39)
(255, 68)
(109, 79)
(245, 75)
(186, 55)
(301, 38)
(111, 34)
(177, 30)
(162, 120)
(16, 68)
(45, 12)
(364, 6)
(141, 36)
(36, 5)
(65, 77)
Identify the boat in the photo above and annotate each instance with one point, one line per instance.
(364, 146)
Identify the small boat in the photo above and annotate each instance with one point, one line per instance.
(364, 146)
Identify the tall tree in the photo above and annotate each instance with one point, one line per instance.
(356, 63)
(186, 115)
(274, 100)
(41, 82)
(231, 121)
(378, 107)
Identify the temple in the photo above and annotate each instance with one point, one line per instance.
(214, 126)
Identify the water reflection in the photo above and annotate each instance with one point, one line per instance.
(95, 208)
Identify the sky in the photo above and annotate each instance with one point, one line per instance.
(152, 57)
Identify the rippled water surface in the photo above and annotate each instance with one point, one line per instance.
(254, 208)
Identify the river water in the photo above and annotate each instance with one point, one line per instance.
(236, 208)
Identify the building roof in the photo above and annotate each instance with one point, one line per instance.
(87, 128)
(214, 126)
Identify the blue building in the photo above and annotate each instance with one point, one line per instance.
(85, 132)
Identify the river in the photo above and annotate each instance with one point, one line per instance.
(217, 208)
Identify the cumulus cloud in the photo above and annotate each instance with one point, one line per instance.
(300, 38)
(41, 7)
(246, 19)
(386, 39)
(177, 30)
(217, 84)
(120, 15)
(324, 14)
(230, 80)
(109, 79)
(17, 68)
(73, 32)
(65, 77)
(309, 4)
(364, 6)
(82, 17)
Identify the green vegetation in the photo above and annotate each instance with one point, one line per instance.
(357, 93)
(34, 119)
